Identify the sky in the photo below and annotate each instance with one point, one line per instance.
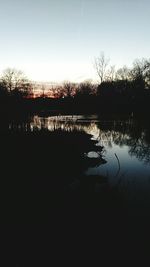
(57, 40)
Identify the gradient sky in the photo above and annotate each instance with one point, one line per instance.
(56, 40)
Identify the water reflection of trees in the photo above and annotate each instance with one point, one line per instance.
(134, 134)
(67, 123)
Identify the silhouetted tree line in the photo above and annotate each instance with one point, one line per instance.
(128, 89)
(125, 89)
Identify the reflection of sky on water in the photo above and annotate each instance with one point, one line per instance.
(130, 167)
(125, 138)
(118, 139)
(129, 140)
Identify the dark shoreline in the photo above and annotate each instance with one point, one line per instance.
(106, 107)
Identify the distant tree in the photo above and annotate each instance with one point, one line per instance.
(58, 91)
(68, 89)
(123, 73)
(140, 73)
(15, 81)
(85, 89)
(111, 73)
(101, 64)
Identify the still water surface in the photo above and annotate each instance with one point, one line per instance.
(126, 149)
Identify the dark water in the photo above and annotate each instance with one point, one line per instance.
(43, 157)
(128, 139)
(125, 156)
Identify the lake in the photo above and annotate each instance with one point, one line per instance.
(121, 160)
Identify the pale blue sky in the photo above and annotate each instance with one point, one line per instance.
(58, 39)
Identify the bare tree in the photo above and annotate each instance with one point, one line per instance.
(111, 73)
(123, 73)
(58, 92)
(13, 79)
(101, 64)
(85, 88)
(69, 89)
(140, 68)
(140, 72)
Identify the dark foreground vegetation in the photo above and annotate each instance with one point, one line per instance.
(43, 171)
